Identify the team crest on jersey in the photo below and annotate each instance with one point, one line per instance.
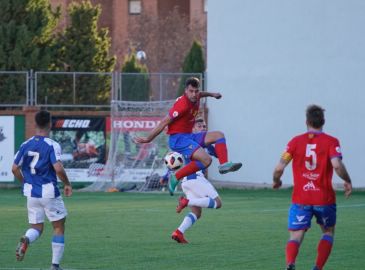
(175, 114)
(338, 149)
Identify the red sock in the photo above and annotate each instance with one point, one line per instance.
(324, 250)
(292, 249)
(188, 169)
(221, 150)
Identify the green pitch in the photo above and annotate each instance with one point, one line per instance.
(132, 231)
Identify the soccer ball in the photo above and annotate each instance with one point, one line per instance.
(141, 55)
(174, 160)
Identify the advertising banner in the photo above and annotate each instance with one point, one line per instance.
(7, 150)
(83, 142)
(135, 162)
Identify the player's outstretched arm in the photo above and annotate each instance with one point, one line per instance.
(156, 131)
(341, 171)
(61, 173)
(210, 94)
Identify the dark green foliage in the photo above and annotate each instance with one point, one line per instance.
(135, 81)
(26, 42)
(193, 63)
(82, 47)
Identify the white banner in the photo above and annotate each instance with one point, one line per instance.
(6, 148)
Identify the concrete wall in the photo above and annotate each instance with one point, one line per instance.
(270, 59)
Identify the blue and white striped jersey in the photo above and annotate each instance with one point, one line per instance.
(36, 157)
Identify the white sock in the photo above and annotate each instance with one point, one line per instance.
(58, 246)
(32, 234)
(206, 202)
(188, 221)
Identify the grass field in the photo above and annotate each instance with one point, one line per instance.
(132, 231)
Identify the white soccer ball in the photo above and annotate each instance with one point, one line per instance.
(141, 55)
(174, 160)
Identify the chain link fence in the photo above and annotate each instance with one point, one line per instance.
(87, 89)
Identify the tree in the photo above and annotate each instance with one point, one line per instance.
(83, 47)
(193, 63)
(135, 81)
(26, 42)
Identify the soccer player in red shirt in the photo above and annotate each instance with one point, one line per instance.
(180, 121)
(315, 155)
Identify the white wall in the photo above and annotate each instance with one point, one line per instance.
(270, 59)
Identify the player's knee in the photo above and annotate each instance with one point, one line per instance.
(207, 161)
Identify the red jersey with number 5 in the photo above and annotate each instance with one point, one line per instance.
(183, 114)
(311, 154)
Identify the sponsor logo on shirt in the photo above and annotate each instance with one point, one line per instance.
(310, 187)
(311, 176)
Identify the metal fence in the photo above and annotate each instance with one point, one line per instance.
(86, 89)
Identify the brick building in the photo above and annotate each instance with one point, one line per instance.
(164, 29)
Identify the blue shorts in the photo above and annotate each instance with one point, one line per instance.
(300, 216)
(187, 143)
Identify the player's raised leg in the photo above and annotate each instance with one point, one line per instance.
(201, 160)
(206, 202)
(33, 233)
(217, 138)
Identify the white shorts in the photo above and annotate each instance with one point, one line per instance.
(198, 188)
(38, 208)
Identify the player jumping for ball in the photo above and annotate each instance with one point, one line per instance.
(180, 121)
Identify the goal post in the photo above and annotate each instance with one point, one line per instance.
(132, 166)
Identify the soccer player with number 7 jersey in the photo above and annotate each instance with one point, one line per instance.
(36, 165)
(314, 156)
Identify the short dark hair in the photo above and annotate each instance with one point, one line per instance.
(193, 81)
(199, 120)
(315, 116)
(43, 119)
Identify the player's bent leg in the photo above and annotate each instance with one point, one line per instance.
(30, 236)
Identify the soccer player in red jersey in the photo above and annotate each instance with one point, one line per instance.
(315, 155)
(180, 121)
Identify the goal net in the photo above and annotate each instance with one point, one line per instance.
(132, 166)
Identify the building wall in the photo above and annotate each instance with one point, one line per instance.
(270, 59)
(115, 15)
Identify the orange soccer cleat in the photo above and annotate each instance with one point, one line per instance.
(183, 202)
(179, 237)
